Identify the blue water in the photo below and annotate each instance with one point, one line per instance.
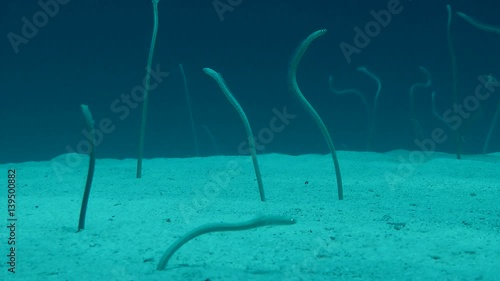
(53, 59)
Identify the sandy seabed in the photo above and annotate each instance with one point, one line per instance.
(405, 216)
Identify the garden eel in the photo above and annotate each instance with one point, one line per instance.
(219, 227)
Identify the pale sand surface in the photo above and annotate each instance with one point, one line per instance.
(439, 221)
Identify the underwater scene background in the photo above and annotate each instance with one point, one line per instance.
(93, 52)
(405, 87)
